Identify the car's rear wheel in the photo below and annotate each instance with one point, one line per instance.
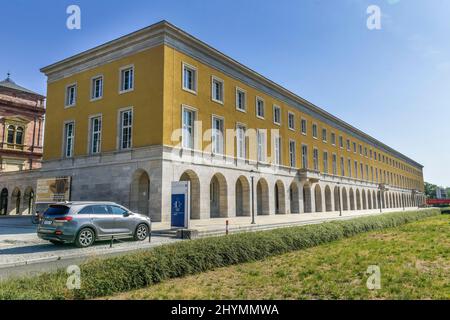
(141, 233)
(85, 238)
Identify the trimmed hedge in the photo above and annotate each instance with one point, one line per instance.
(137, 270)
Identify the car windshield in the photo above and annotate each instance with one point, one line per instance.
(54, 210)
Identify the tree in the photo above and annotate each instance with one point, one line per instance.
(430, 190)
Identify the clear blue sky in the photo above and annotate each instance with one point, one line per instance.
(393, 83)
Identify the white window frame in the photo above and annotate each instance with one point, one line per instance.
(120, 129)
(241, 145)
(324, 136)
(215, 79)
(259, 99)
(334, 165)
(277, 149)
(91, 134)
(237, 92)
(316, 159)
(214, 137)
(333, 138)
(325, 161)
(274, 108)
(184, 66)
(66, 96)
(291, 125)
(122, 70)
(261, 145)
(292, 153)
(305, 161)
(93, 80)
(194, 140)
(304, 126)
(66, 138)
(315, 133)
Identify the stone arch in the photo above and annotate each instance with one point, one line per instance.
(318, 198)
(352, 199)
(337, 201)
(28, 199)
(358, 200)
(15, 200)
(307, 201)
(192, 177)
(344, 200)
(279, 197)
(4, 202)
(218, 196)
(262, 197)
(294, 199)
(242, 197)
(140, 192)
(328, 200)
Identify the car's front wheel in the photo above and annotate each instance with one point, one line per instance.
(141, 233)
(85, 238)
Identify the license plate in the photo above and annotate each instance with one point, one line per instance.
(48, 222)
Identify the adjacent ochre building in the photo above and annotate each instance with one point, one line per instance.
(127, 118)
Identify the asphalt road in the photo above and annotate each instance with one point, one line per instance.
(22, 253)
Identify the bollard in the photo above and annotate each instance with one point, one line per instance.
(226, 227)
(112, 240)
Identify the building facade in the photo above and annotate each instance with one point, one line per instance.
(127, 118)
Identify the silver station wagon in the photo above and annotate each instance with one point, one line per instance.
(83, 223)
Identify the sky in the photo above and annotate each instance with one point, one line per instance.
(392, 83)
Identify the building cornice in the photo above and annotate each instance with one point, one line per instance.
(165, 33)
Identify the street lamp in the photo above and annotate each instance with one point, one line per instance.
(253, 192)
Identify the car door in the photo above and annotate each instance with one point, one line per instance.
(103, 220)
(123, 222)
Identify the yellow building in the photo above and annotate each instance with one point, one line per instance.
(127, 118)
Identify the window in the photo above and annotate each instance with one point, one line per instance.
(324, 135)
(304, 156)
(365, 151)
(100, 209)
(126, 79)
(217, 135)
(15, 135)
(189, 78)
(348, 144)
(360, 150)
(71, 95)
(188, 128)
(354, 147)
(261, 137)
(86, 210)
(314, 131)
(291, 121)
(333, 138)
(97, 88)
(367, 172)
(96, 134)
(325, 162)
(292, 154)
(334, 164)
(217, 90)
(356, 169)
(11, 134)
(277, 150)
(316, 159)
(260, 108)
(126, 125)
(276, 115)
(349, 168)
(69, 136)
(19, 135)
(241, 100)
(304, 126)
(341, 142)
(342, 167)
(116, 210)
(241, 142)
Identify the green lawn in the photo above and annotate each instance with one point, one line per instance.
(414, 260)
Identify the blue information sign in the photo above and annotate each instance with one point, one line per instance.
(178, 210)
